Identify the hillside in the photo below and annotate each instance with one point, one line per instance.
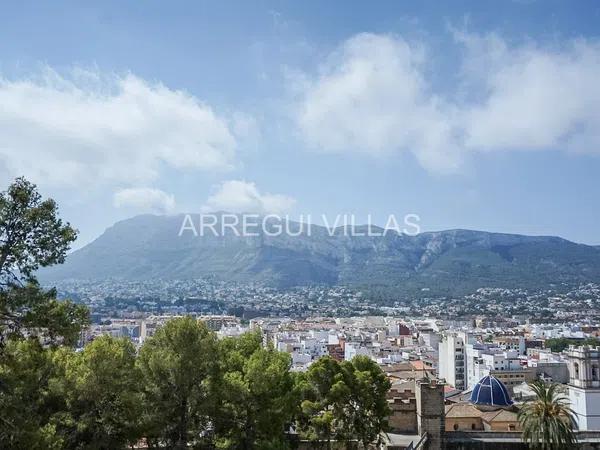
(149, 246)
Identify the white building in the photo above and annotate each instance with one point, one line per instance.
(352, 349)
(484, 359)
(452, 359)
(584, 386)
(511, 343)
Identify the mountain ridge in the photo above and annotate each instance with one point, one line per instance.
(149, 246)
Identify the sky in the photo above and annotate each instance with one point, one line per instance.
(471, 114)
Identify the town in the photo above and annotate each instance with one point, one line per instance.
(498, 336)
(136, 299)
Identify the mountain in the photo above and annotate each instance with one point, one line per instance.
(149, 246)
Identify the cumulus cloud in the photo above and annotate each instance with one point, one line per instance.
(244, 197)
(144, 199)
(536, 98)
(372, 95)
(90, 127)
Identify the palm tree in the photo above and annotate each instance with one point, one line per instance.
(548, 421)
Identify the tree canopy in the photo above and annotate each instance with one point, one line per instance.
(559, 344)
(32, 235)
(183, 389)
(257, 393)
(100, 386)
(344, 401)
(179, 366)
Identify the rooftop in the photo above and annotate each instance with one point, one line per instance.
(490, 391)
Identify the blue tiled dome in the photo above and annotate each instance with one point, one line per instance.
(490, 391)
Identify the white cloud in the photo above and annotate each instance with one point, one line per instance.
(93, 128)
(536, 98)
(372, 96)
(244, 197)
(144, 199)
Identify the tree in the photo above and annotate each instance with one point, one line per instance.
(32, 236)
(344, 401)
(33, 311)
(368, 408)
(101, 388)
(257, 392)
(559, 344)
(548, 421)
(325, 395)
(31, 233)
(179, 367)
(27, 399)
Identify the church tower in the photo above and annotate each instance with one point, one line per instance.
(584, 385)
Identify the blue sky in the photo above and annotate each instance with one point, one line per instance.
(481, 115)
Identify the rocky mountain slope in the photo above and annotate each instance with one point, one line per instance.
(150, 247)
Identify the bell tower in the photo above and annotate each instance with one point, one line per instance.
(584, 385)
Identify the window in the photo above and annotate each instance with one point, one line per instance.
(455, 427)
(511, 428)
(473, 426)
(576, 370)
(595, 373)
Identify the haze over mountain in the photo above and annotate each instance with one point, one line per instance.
(149, 247)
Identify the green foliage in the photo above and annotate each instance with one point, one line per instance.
(56, 398)
(185, 389)
(344, 401)
(179, 367)
(102, 393)
(27, 400)
(33, 311)
(31, 233)
(257, 392)
(560, 344)
(368, 408)
(321, 406)
(32, 236)
(557, 344)
(548, 421)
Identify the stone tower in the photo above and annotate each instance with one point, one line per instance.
(431, 412)
(584, 385)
